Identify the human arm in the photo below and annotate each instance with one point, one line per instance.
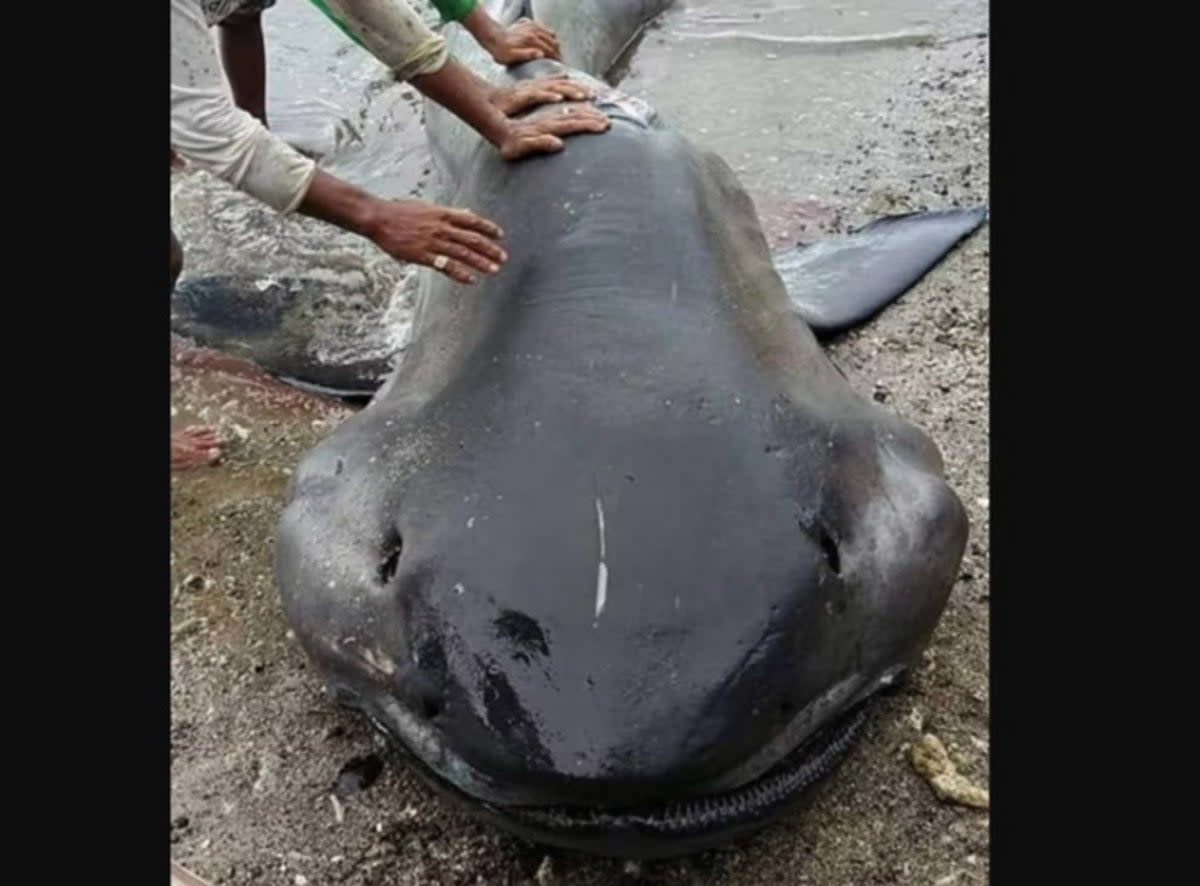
(485, 110)
(411, 230)
(212, 133)
(396, 35)
(524, 41)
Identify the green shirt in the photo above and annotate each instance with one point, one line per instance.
(453, 10)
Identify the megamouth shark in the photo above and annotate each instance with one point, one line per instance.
(616, 554)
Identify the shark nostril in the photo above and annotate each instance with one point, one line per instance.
(431, 707)
(826, 541)
(829, 549)
(392, 548)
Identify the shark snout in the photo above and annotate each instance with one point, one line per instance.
(586, 699)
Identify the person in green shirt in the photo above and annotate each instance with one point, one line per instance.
(243, 53)
(524, 41)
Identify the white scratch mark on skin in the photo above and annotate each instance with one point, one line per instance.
(601, 587)
(458, 588)
(601, 567)
(600, 523)
(471, 521)
(674, 292)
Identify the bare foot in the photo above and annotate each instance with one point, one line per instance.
(194, 447)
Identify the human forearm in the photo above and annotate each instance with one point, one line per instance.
(468, 97)
(456, 242)
(243, 56)
(332, 200)
(485, 29)
(392, 32)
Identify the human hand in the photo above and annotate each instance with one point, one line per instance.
(524, 41)
(539, 132)
(453, 241)
(542, 90)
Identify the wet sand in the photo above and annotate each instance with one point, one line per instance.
(257, 746)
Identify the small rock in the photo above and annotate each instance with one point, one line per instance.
(379, 850)
(545, 871)
(930, 759)
(193, 583)
(300, 880)
(188, 627)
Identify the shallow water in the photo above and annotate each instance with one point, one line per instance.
(808, 102)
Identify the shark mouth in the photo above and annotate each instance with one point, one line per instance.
(679, 826)
(772, 792)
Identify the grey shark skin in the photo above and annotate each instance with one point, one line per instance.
(617, 555)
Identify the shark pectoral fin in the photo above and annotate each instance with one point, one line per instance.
(281, 325)
(835, 285)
